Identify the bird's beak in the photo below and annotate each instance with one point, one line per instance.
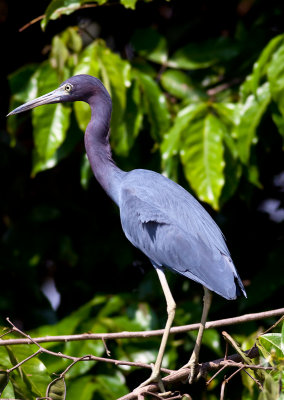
(56, 96)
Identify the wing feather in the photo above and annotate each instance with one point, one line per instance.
(165, 222)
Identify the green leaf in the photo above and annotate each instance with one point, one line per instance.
(276, 78)
(87, 64)
(270, 346)
(8, 392)
(50, 122)
(4, 379)
(31, 377)
(279, 122)
(123, 139)
(151, 45)
(203, 55)
(82, 388)
(282, 338)
(202, 157)
(250, 115)
(180, 85)
(80, 349)
(85, 172)
(171, 143)
(56, 390)
(270, 389)
(261, 65)
(111, 387)
(155, 106)
(129, 3)
(56, 8)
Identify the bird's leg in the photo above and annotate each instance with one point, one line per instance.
(193, 361)
(171, 306)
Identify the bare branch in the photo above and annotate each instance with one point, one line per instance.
(146, 334)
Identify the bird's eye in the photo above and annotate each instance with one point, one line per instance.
(68, 87)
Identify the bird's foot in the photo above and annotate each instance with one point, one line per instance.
(154, 378)
(194, 373)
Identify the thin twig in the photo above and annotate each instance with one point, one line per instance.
(274, 325)
(255, 380)
(222, 394)
(234, 373)
(217, 373)
(146, 334)
(106, 348)
(236, 347)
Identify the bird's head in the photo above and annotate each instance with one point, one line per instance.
(76, 88)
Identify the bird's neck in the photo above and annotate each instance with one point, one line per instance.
(98, 148)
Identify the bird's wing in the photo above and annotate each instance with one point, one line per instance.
(166, 243)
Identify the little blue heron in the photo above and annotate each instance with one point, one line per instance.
(158, 216)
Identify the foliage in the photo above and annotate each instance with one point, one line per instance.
(199, 129)
(196, 97)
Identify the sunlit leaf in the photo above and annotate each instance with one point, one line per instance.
(50, 122)
(171, 143)
(271, 343)
(129, 3)
(261, 65)
(250, 115)
(87, 64)
(155, 106)
(276, 78)
(56, 8)
(32, 376)
(203, 159)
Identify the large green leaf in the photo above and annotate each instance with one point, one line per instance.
(171, 143)
(270, 346)
(23, 88)
(250, 115)
(123, 139)
(4, 380)
(262, 64)
(203, 55)
(31, 377)
(203, 159)
(111, 386)
(56, 390)
(87, 64)
(82, 388)
(180, 85)
(276, 78)
(115, 74)
(155, 106)
(50, 122)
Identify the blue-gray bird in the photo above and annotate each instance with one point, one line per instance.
(157, 215)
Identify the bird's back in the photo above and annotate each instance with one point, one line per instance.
(170, 226)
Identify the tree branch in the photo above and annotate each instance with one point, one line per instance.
(147, 334)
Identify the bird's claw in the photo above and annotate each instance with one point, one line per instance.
(194, 374)
(154, 378)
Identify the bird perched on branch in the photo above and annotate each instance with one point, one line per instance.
(157, 215)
